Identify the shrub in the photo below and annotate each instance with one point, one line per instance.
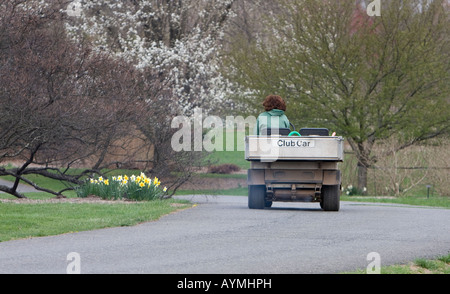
(123, 187)
(223, 168)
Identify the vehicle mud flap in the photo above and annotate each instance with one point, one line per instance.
(256, 196)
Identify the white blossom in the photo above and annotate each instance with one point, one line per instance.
(175, 39)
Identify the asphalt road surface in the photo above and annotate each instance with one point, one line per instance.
(22, 188)
(221, 235)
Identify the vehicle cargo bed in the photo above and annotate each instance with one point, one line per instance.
(274, 148)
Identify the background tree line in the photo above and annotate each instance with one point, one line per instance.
(94, 84)
(370, 79)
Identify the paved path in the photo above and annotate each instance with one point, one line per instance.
(22, 188)
(221, 235)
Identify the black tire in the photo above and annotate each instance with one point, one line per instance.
(256, 196)
(331, 196)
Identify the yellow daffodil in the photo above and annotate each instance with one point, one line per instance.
(148, 185)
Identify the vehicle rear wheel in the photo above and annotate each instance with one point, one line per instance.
(256, 196)
(330, 198)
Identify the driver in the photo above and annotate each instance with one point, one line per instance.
(273, 117)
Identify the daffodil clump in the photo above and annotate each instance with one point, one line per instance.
(123, 187)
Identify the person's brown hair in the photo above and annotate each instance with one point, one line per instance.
(274, 102)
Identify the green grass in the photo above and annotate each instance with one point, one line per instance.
(22, 220)
(231, 154)
(435, 201)
(26, 220)
(232, 157)
(440, 265)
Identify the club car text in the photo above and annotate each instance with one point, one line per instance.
(295, 143)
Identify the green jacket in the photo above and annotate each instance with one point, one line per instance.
(274, 118)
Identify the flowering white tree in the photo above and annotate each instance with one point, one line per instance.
(179, 39)
(65, 105)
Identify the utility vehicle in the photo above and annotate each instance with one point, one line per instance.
(291, 166)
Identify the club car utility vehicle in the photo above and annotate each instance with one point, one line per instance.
(290, 166)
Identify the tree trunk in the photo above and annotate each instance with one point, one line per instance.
(362, 177)
(363, 150)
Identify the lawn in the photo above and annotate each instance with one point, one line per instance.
(419, 200)
(22, 220)
(42, 217)
(440, 265)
